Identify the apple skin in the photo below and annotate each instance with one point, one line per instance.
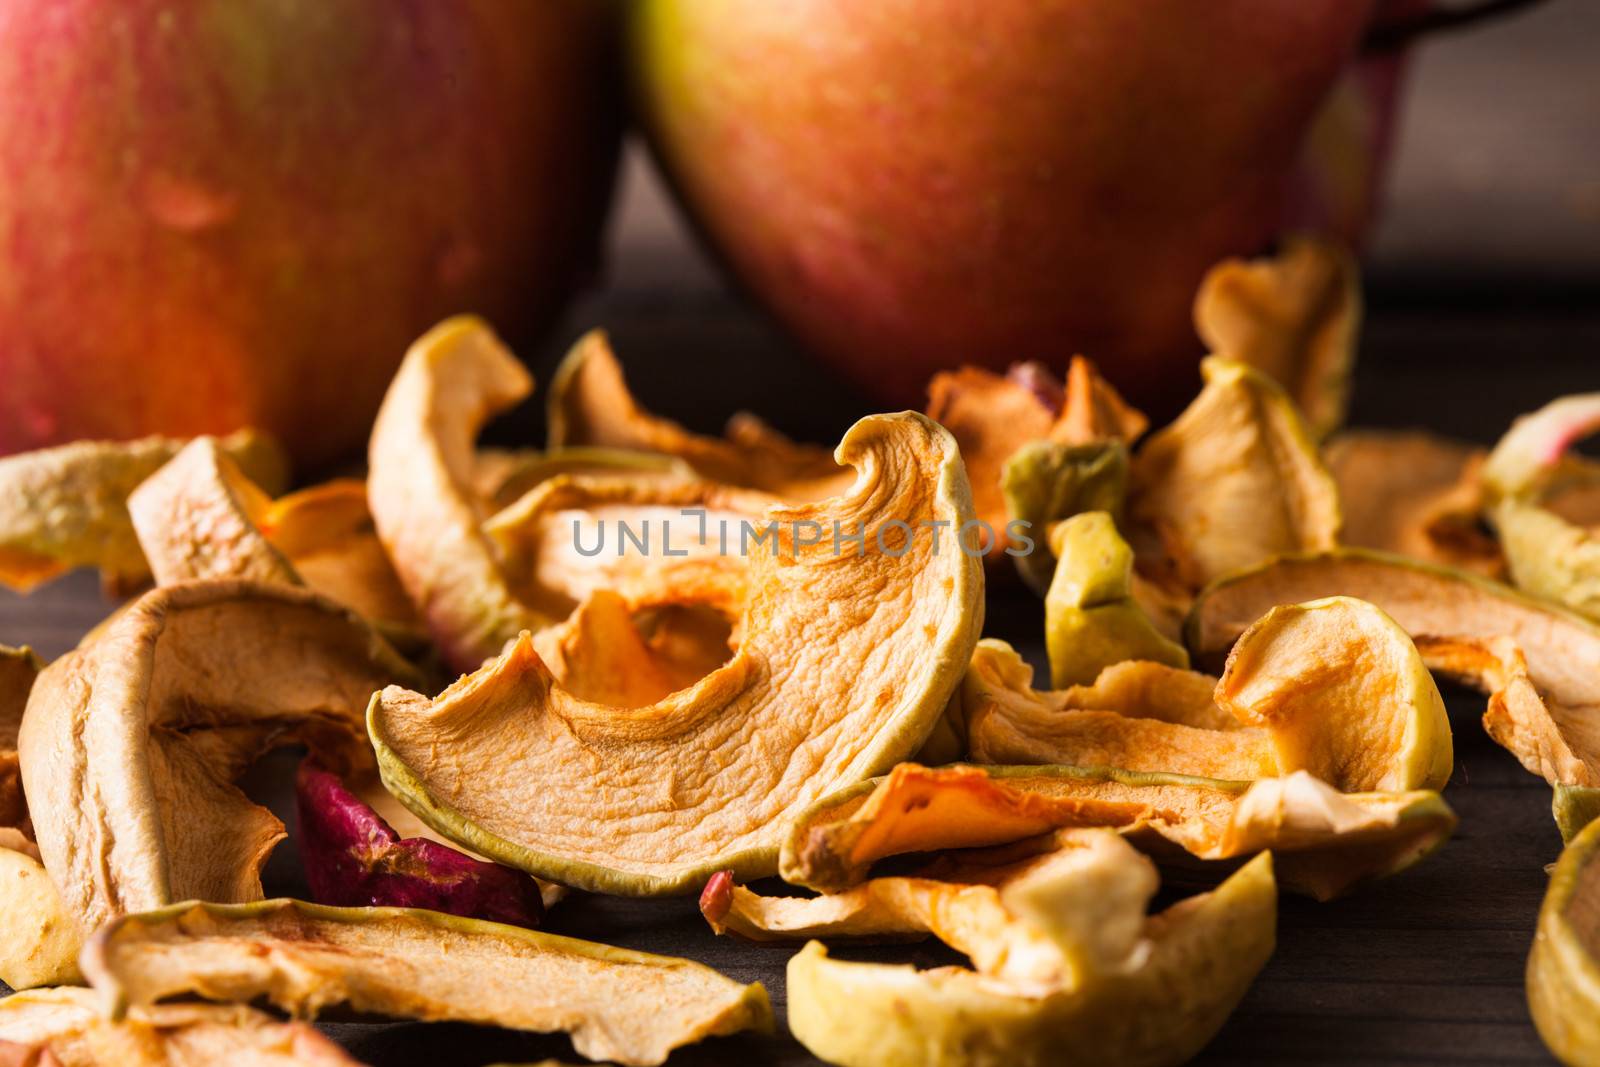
(225, 212)
(909, 185)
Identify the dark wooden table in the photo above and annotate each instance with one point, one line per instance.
(1423, 968)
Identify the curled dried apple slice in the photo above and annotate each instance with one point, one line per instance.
(1091, 619)
(1416, 494)
(847, 655)
(421, 488)
(201, 517)
(653, 544)
(1333, 686)
(1233, 481)
(630, 1007)
(1294, 316)
(590, 405)
(1564, 964)
(353, 858)
(65, 1028)
(1044, 482)
(1067, 966)
(66, 507)
(1093, 410)
(1550, 551)
(131, 745)
(1324, 842)
(504, 482)
(1562, 648)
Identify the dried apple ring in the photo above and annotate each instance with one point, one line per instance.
(847, 655)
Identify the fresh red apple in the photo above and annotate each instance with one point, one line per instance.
(227, 212)
(914, 184)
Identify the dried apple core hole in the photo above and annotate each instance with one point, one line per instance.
(696, 638)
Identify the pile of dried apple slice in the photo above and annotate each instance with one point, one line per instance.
(683, 663)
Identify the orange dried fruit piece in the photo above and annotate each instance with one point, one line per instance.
(1233, 481)
(1324, 842)
(591, 406)
(131, 745)
(1066, 964)
(1543, 503)
(66, 507)
(620, 1005)
(65, 1028)
(1333, 687)
(828, 686)
(1294, 316)
(1564, 964)
(1415, 494)
(1091, 619)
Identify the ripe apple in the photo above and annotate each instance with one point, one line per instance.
(914, 184)
(227, 212)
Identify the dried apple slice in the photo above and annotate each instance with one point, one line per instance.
(1093, 410)
(1564, 964)
(1235, 480)
(64, 1028)
(1562, 648)
(1044, 482)
(1416, 494)
(1325, 842)
(1091, 619)
(590, 405)
(1333, 687)
(845, 661)
(1294, 316)
(630, 1007)
(1068, 967)
(66, 507)
(353, 858)
(653, 544)
(516, 473)
(1548, 553)
(130, 745)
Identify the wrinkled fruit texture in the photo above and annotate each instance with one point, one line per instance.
(65, 1028)
(1325, 843)
(1232, 482)
(591, 406)
(619, 1005)
(1564, 965)
(1333, 687)
(67, 507)
(844, 665)
(353, 858)
(130, 745)
(1415, 494)
(1066, 964)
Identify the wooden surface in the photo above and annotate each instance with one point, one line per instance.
(1423, 968)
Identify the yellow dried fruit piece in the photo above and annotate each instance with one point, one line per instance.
(64, 1028)
(590, 405)
(630, 1007)
(1333, 687)
(1091, 618)
(1233, 481)
(1549, 553)
(1324, 842)
(1295, 316)
(1068, 966)
(1564, 965)
(1044, 482)
(130, 746)
(1415, 494)
(66, 507)
(845, 660)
